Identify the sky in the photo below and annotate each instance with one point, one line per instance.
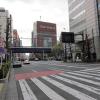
(26, 12)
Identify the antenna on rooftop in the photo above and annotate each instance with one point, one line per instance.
(40, 18)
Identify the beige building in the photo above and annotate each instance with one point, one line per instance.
(84, 18)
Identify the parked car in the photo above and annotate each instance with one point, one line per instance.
(26, 62)
(36, 59)
(17, 64)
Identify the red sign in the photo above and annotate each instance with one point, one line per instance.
(43, 27)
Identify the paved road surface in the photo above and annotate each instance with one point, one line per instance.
(52, 80)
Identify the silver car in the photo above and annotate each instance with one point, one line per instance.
(17, 64)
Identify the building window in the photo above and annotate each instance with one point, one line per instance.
(71, 2)
(47, 42)
(79, 14)
(78, 24)
(76, 7)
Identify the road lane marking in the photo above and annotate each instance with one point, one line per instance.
(26, 91)
(69, 90)
(66, 65)
(57, 69)
(48, 91)
(82, 79)
(89, 88)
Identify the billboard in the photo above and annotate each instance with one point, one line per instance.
(67, 37)
(44, 27)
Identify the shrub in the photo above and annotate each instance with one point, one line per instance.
(4, 69)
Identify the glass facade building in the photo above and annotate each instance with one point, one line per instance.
(84, 18)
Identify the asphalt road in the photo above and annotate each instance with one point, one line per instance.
(54, 80)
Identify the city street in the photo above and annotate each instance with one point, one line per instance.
(50, 50)
(55, 80)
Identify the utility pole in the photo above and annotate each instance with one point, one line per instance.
(8, 31)
(88, 48)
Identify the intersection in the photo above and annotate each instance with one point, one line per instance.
(55, 80)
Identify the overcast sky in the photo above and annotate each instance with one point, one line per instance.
(26, 12)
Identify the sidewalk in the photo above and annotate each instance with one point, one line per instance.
(8, 90)
(11, 93)
(3, 87)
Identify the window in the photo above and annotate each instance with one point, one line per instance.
(72, 3)
(47, 42)
(76, 7)
(79, 14)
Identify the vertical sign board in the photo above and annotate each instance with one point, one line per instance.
(67, 37)
(2, 42)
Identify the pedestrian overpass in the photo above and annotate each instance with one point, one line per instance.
(30, 50)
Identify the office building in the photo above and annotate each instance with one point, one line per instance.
(16, 43)
(44, 34)
(84, 18)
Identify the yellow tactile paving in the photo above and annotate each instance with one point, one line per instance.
(1, 86)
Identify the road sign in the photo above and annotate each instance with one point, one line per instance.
(67, 37)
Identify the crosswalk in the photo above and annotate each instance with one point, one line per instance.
(76, 85)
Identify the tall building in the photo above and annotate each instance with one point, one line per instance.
(16, 39)
(44, 34)
(84, 18)
(16, 43)
(5, 25)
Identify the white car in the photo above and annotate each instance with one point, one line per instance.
(36, 59)
(26, 62)
(78, 59)
(17, 64)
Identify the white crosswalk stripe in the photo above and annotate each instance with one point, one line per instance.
(91, 69)
(26, 91)
(49, 92)
(89, 88)
(98, 70)
(89, 75)
(82, 79)
(64, 81)
(69, 90)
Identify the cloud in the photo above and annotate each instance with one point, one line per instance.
(25, 1)
(26, 12)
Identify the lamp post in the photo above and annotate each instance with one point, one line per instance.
(8, 31)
